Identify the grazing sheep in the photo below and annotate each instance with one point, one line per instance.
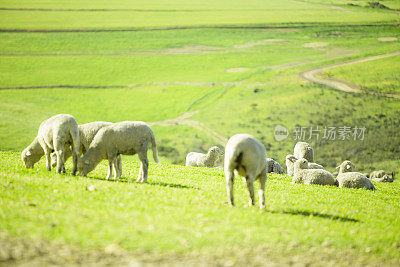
(126, 138)
(302, 174)
(291, 159)
(247, 156)
(350, 179)
(195, 159)
(54, 134)
(274, 166)
(304, 150)
(381, 177)
(86, 134)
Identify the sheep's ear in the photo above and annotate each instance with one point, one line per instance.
(28, 153)
(87, 162)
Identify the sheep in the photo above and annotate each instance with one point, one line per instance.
(247, 156)
(86, 134)
(303, 174)
(350, 179)
(274, 166)
(291, 159)
(195, 159)
(54, 134)
(381, 177)
(126, 138)
(304, 150)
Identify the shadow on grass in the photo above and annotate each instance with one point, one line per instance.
(126, 180)
(173, 185)
(315, 214)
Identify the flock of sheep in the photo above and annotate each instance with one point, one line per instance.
(61, 137)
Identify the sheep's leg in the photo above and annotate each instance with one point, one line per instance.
(250, 188)
(47, 153)
(229, 186)
(261, 194)
(60, 161)
(110, 169)
(144, 166)
(117, 167)
(139, 179)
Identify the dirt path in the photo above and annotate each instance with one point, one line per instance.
(314, 75)
(184, 120)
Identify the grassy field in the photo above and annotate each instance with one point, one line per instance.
(235, 66)
(37, 204)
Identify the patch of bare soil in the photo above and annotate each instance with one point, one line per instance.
(315, 45)
(387, 39)
(234, 70)
(336, 8)
(257, 43)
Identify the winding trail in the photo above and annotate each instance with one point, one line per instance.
(314, 75)
(184, 120)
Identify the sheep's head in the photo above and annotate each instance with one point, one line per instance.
(291, 158)
(216, 151)
(84, 166)
(301, 164)
(346, 166)
(28, 158)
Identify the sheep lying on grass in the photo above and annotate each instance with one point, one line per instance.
(350, 179)
(126, 138)
(87, 133)
(195, 159)
(381, 177)
(274, 166)
(302, 174)
(54, 134)
(291, 159)
(247, 156)
(304, 150)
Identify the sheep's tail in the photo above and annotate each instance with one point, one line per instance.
(154, 147)
(74, 132)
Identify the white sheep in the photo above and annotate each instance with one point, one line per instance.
(302, 174)
(350, 179)
(304, 150)
(86, 134)
(274, 166)
(195, 159)
(247, 156)
(381, 177)
(54, 134)
(291, 159)
(122, 138)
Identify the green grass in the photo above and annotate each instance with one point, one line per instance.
(179, 14)
(38, 204)
(378, 76)
(155, 75)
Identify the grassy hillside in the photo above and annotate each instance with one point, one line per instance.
(238, 80)
(345, 224)
(378, 76)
